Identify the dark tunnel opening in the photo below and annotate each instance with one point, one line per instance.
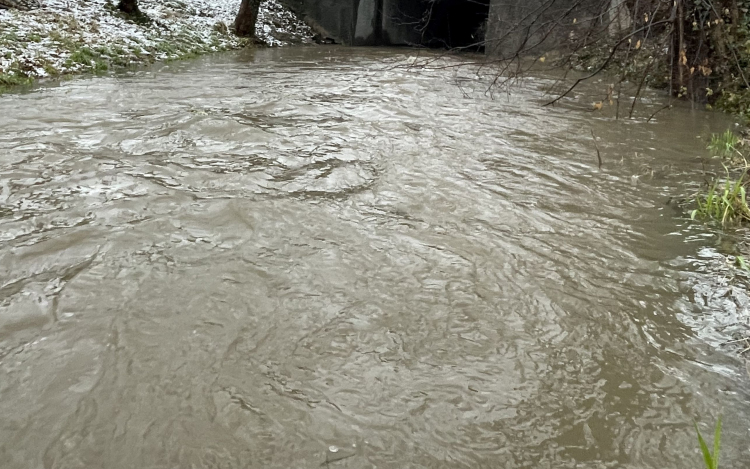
(451, 24)
(455, 24)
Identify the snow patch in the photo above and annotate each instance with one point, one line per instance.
(69, 36)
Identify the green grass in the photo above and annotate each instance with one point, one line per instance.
(13, 79)
(83, 56)
(711, 460)
(51, 70)
(89, 58)
(725, 203)
(725, 145)
(184, 44)
(9, 81)
(66, 42)
(10, 37)
(100, 66)
(166, 48)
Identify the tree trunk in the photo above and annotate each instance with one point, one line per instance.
(246, 18)
(129, 7)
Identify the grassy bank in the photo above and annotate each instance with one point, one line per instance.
(91, 36)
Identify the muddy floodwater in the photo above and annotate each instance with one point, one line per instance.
(289, 258)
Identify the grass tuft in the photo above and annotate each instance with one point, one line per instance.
(711, 460)
(13, 80)
(724, 202)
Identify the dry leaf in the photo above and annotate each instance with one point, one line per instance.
(645, 17)
(598, 106)
(575, 20)
(638, 44)
(542, 59)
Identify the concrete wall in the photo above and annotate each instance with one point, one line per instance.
(336, 19)
(362, 22)
(366, 30)
(529, 26)
(397, 22)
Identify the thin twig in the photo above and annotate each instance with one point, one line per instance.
(598, 153)
(608, 60)
(744, 339)
(668, 105)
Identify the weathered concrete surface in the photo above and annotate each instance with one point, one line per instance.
(335, 19)
(369, 16)
(363, 22)
(449, 23)
(509, 27)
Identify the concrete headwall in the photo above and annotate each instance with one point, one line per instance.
(363, 22)
(439, 23)
(335, 19)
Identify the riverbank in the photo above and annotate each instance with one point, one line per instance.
(81, 36)
(723, 204)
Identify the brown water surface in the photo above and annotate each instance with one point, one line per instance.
(279, 258)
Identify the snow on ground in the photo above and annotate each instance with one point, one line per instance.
(69, 36)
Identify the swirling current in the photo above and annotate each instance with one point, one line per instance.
(290, 258)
